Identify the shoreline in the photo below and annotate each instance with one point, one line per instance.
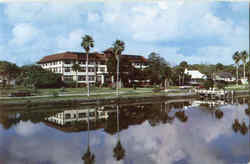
(52, 102)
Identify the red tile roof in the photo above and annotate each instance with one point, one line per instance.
(82, 56)
(70, 56)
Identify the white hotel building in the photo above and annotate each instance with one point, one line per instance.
(62, 63)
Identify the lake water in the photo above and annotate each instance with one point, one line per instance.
(183, 132)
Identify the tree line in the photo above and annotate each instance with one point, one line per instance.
(159, 71)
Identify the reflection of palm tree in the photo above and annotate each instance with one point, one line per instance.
(240, 127)
(88, 157)
(119, 151)
(219, 114)
(243, 129)
(181, 116)
(236, 125)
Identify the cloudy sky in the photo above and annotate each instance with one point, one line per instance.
(198, 32)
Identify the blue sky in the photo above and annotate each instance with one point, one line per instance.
(198, 32)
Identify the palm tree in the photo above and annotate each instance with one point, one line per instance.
(87, 43)
(236, 58)
(244, 56)
(118, 150)
(76, 68)
(118, 47)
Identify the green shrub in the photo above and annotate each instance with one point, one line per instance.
(221, 85)
(208, 84)
(55, 94)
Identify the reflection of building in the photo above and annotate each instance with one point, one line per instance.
(209, 103)
(79, 115)
(97, 67)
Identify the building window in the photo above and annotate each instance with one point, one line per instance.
(67, 69)
(102, 69)
(82, 62)
(68, 78)
(91, 78)
(82, 115)
(82, 78)
(92, 62)
(83, 69)
(102, 62)
(67, 116)
(91, 69)
(67, 62)
(91, 114)
(99, 78)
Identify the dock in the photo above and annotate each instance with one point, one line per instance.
(215, 94)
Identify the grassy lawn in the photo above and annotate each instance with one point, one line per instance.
(131, 93)
(41, 92)
(235, 87)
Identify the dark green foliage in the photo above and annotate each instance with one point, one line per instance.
(208, 84)
(126, 70)
(219, 114)
(181, 116)
(55, 94)
(158, 69)
(118, 151)
(88, 157)
(34, 76)
(9, 71)
(236, 125)
(221, 85)
(243, 128)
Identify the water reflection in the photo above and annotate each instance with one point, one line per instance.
(88, 157)
(189, 131)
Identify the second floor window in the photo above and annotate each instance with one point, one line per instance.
(82, 78)
(102, 69)
(83, 69)
(91, 69)
(67, 62)
(68, 78)
(67, 69)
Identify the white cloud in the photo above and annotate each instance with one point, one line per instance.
(72, 41)
(143, 26)
(24, 33)
(27, 129)
(93, 17)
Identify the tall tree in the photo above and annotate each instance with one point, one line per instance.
(87, 43)
(183, 65)
(118, 47)
(237, 58)
(219, 67)
(126, 70)
(158, 70)
(76, 68)
(9, 71)
(244, 57)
